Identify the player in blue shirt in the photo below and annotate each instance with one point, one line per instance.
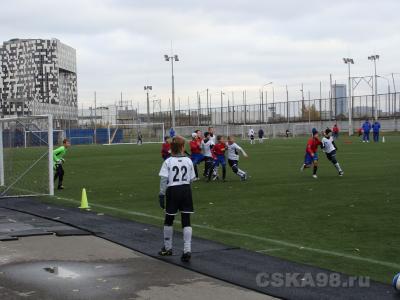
(375, 129)
(172, 132)
(366, 129)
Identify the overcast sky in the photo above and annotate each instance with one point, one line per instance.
(225, 45)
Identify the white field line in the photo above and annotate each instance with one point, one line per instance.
(270, 250)
(253, 237)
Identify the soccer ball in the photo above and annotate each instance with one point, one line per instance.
(396, 282)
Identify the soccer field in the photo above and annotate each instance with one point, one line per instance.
(348, 224)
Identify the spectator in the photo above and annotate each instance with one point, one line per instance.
(287, 133)
(375, 129)
(366, 129)
(260, 135)
(172, 132)
(359, 131)
(335, 132)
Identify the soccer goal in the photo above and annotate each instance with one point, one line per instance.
(267, 129)
(135, 133)
(39, 137)
(302, 129)
(26, 166)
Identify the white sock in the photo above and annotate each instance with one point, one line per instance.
(168, 233)
(187, 239)
(240, 173)
(337, 166)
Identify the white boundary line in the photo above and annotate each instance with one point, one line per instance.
(250, 236)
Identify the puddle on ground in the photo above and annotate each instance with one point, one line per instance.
(61, 272)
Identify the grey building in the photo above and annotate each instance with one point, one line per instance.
(339, 94)
(38, 76)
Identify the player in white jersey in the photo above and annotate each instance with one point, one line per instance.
(206, 146)
(233, 157)
(213, 139)
(177, 173)
(212, 136)
(251, 135)
(329, 147)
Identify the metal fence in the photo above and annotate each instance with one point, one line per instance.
(363, 107)
(386, 106)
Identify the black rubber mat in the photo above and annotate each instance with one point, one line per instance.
(237, 266)
(5, 238)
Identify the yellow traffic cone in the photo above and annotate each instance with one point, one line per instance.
(84, 200)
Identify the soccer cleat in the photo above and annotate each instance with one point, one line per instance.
(186, 257)
(61, 187)
(215, 178)
(341, 173)
(244, 177)
(315, 176)
(165, 252)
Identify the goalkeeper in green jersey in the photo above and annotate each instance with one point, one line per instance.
(58, 160)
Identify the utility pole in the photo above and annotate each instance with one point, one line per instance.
(148, 88)
(198, 109)
(222, 110)
(287, 105)
(303, 106)
(208, 109)
(95, 118)
(330, 97)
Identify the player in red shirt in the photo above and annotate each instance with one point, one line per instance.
(195, 150)
(311, 157)
(166, 148)
(335, 131)
(219, 152)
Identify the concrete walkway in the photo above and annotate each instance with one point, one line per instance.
(82, 266)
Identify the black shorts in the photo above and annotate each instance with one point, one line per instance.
(332, 156)
(252, 137)
(179, 198)
(233, 162)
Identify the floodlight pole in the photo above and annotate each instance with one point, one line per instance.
(172, 58)
(374, 58)
(349, 61)
(262, 101)
(148, 88)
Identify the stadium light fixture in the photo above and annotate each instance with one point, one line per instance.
(172, 59)
(349, 61)
(374, 58)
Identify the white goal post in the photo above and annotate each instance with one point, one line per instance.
(26, 169)
(139, 133)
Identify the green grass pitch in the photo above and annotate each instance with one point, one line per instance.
(348, 224)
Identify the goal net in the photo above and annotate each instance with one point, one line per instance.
(302, 129)
(135, 133)
(266, 128)
(39, 137)
(26, 167)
